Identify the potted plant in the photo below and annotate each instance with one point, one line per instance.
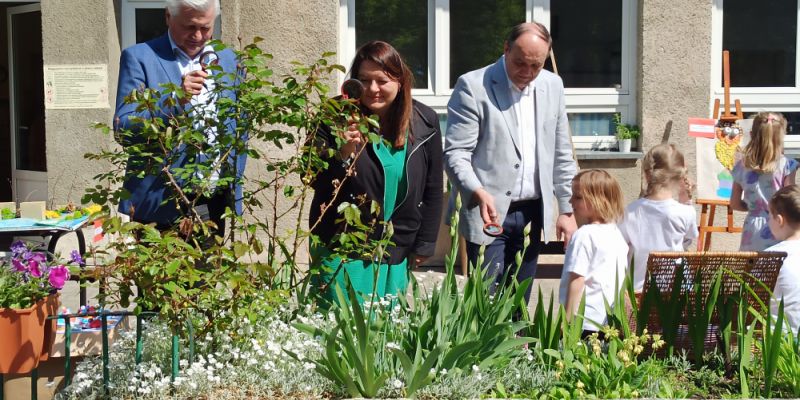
(28, 295)
(625, 134)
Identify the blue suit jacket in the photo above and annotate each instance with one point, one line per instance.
(150, 65)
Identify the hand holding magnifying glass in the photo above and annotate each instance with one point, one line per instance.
(352, 89)
(194, 82)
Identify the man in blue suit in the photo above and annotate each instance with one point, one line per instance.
(509, 154)
(175, 58)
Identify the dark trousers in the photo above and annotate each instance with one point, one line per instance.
(210, 209)
(213, 208)
(499, 256)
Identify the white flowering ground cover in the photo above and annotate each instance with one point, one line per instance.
(252, 362)
(394, 348)
(248, 362)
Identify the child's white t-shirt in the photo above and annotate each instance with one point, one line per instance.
(788, 284)
(656, 225)
(597, 252)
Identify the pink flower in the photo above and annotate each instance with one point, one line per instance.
(58, 275)
(18, 266)
(33, 268)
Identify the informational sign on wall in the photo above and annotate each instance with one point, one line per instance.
(75, 86)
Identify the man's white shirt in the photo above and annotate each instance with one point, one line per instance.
(526, 186)
(204, 102)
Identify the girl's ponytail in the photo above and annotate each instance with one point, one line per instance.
(766, 142)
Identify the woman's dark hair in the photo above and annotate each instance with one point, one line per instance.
(398, 116)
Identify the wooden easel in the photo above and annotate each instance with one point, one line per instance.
(709, 207)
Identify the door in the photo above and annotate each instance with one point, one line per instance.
(26, 101)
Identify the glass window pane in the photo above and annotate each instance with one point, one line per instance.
(587, 42)
(591, 124)
(793, 120)
(478, 29)
(763, 53)
(403, 24)
(150, 24)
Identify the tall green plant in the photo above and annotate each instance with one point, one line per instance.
(699, 312)
(623, 311)
(789, 362)
(546, 325)
(472, 327)
(770, 344)
(351, 356)
(744, 344)
(444, 329)
(668, 306)
(186, 269)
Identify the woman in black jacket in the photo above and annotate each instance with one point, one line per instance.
(402, 173)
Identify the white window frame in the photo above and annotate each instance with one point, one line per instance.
(753, 99)
(579, 100)
(128, 19)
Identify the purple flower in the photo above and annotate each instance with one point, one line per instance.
(34, 269)
(18, 248)
(76, 258)
(38, 257)
(18, 265)
(58, 275)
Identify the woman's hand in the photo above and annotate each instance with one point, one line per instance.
(353, 140)
(417, 259)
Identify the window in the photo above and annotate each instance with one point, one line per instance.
(403, 21)
(594, 45)
(764, 64)
(143, 20)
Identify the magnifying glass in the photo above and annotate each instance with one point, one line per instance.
(492, 229)
(208, 58)
(352, 89)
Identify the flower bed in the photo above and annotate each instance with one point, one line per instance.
(271, 358)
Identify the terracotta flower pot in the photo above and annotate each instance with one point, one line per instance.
(27, 336)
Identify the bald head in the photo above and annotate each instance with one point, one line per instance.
(533, 28)
(526, 51)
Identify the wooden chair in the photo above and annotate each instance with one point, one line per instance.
(663, 269)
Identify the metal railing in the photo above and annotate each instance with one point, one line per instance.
(139, 348)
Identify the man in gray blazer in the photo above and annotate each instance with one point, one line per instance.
(508, 152)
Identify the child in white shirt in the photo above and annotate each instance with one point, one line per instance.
(656, 221)
(595, 261)
(784, 223)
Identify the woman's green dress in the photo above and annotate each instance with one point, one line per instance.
(391, 279)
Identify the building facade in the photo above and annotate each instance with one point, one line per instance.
(656, 62)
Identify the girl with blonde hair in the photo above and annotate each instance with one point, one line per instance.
(595, 261)
(758, 175)
(657, 221)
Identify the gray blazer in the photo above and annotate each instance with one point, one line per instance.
(482, 146)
